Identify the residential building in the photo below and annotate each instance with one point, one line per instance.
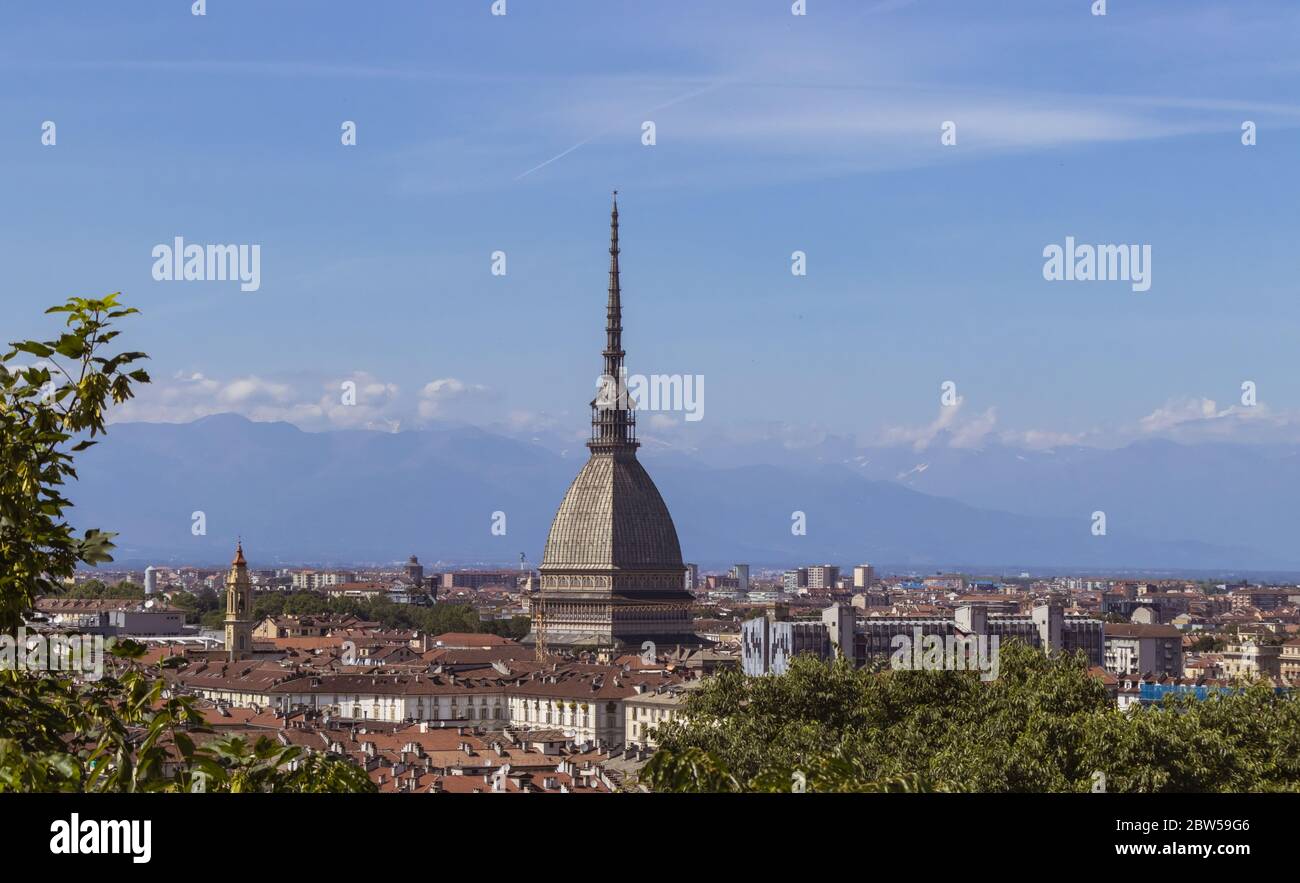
(316, 580)
(112, 616)
(1289, 661)
(795, 582)
(1249, 660)
(864, 576)
(477, 579)
(649, 709)
(1137, 648)
(823, 578)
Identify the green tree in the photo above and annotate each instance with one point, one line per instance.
(118, 732)
(45, 408)
(94, 588)
(121, 734)
(196, 604)
(1206, 643)
(269, 604)
(91, 588)
(1045, 724)
(234, 764)
(433, 620)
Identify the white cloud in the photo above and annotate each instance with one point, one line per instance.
(248, 390)
(973, 432)
(1179, 412)
(1187, 419)
(357, 400)
(773, 101)
(948, 424)
(310, 403)
(1196, 418)
(448, 397)
(318, 403)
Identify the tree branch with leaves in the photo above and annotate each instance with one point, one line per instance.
(49, 411)
(125, 731)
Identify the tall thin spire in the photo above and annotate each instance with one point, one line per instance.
(614, 309)
(612, 422)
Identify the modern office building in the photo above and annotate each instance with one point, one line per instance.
(769, 643)
(767, 648)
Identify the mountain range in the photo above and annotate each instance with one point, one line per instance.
(353, 496)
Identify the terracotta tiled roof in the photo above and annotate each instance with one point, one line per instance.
(470, 640)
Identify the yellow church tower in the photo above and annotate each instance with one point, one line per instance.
(239, 608)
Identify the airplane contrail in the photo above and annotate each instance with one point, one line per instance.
(678, 100)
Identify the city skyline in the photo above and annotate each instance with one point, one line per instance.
(582, 397)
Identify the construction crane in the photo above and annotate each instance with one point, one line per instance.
(539, 625)
(535, 608)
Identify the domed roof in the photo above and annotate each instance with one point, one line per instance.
(613, 517)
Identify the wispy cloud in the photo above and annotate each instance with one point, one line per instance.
(948, 427)
(1196, 418)
(353, 401)
(609, 129)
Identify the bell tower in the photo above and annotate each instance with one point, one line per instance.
(239, 608)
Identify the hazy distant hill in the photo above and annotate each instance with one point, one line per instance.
(354, 495)
(1217, 493)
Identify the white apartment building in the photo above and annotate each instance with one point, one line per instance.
(313, 580)
(587, 705)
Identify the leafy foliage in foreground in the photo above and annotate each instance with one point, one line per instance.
(44, 406)
(1044, 725)
(121, 734)
(118, 733)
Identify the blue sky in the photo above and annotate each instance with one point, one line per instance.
(774, 133)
